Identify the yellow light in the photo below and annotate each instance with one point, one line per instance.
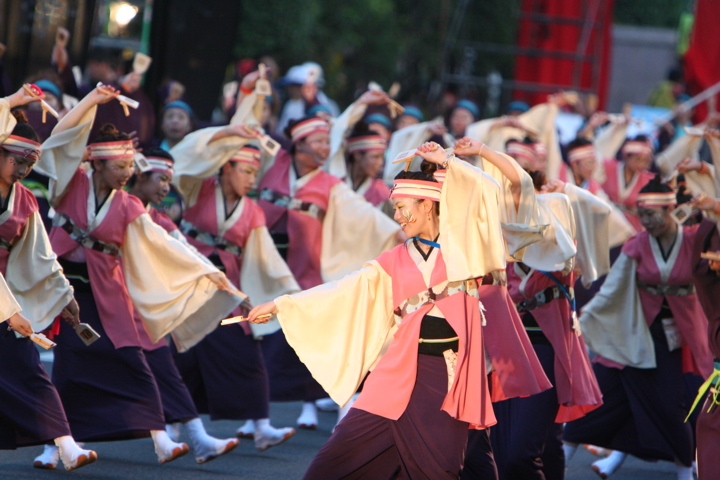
(123, 13)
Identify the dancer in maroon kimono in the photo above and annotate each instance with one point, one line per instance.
(109, 248)
(365, 152)
(706, 276)
(314, 218)
(648, 328)
(226, 371)
(30, 409)
(151, 186)
(625, 179)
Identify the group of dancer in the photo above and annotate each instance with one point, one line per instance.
(458, 303)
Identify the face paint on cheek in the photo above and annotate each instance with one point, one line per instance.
(409, 217)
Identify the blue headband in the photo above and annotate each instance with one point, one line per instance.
(518, 105)
(313, 111)
(414, 112)
(179, 104)
(48, 86)
(469, 106)
(378, 118)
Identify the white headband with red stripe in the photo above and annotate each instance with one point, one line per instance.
(112, 150)
(422, 189)
(22, 146)
(366, 143)
(636, 147)
(581, 153)
(247, 155)
(521, 150)
(161, 164)
(308, 127)
(664, 199)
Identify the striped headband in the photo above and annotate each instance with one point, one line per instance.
(440, 175)
(247, 155)
(540, 149)
(308, 127)
(22, 146)
(161, 164)
(112, 150)
(520, 150)
(416, 189)
(581, 153)
(366, 143)
(636, 147)
(664, 199)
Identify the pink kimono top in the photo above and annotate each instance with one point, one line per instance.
(625, 196)
(105, 271)
(577, 389)
(24, 205)
(468, 399)
(686, 309)
(304, 230)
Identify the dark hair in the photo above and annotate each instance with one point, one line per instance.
(526, 140)
(683, 195)
(23, 128)
(538, 177)
(656, 185)
(578, 142)
(109, 133)
(158, 152)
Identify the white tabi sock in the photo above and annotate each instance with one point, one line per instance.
(173, 431)
(48, 459)
(569, 449)
(267, 436)
(72, 455)
(610, 464)
(308, 418)
(166, 449)
(203, 445)
(247, 430)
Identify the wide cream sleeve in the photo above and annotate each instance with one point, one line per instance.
(339, 329)
(541, 118)
(197, 158)
(592, 227)
(470, 229)
(407, 138)
(246, 111)
(177, 235)
(688, 146)
(610, 139)
(7, 120)
(613, 322)
(35, 276)
(264, 275)
(353, 232)
(339, 131)
(557, 249)
(520, 222)
(62, 154)
(168, 285)
(8, 305)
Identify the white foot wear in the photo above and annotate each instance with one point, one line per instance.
(247, 430)
(72, 455)
(166, 449)
(173, 431)
(326, 405)
(609, 465)
(204, 446)
(308, 418)
(597, 451)
(268, 436)
(49, 459)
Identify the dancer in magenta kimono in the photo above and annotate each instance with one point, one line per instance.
(365, 152)
(117, 258)
(648, 328)
(226, 371)
(151, 186)
(412, 317)
(706, 276)
(30, 408)
(314, 217)
(625, 179)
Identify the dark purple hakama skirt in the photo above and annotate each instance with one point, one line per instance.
(177, 404)
(30, 408)
(225, 374)
(643, 410)
(290, 380)
(424, 443)
(108, 393)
